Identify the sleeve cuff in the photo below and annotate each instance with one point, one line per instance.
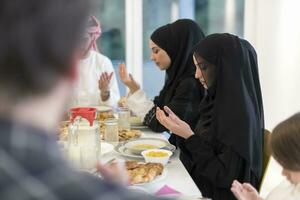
(135, 95)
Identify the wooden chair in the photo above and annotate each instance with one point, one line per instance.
(266, 155)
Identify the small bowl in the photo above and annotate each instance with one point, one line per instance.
(157, 156)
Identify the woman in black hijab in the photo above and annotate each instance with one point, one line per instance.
(227, 142)
(171, 47)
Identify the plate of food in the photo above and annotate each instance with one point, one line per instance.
(124, 135)
(140, 173)
(62, 133)
(102, 116)
(138, 145)
(121, 148)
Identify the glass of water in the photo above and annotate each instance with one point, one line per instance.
(111, 132)
(124, 119)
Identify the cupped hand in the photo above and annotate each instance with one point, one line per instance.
(127, 79)
(104, 81)
(244, 191)
(173, 122)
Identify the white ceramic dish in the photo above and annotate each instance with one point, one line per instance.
(102, 108)
(139, 145)
(157, 159)
(127, 153)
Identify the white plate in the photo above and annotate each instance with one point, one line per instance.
(127, 153)
(106, 147)
(102, 108)
(153, 143)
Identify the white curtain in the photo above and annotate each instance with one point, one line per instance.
(273, 27)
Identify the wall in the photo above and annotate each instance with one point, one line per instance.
(272, 26)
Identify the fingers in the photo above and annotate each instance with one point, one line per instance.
(131, 78)
(122, 71)
(164, 120)
(249, 187)
(110, 75)
(105, 78)
(168, 110)
(171, 114)
(159, 114)
(237, 189)
(237, 193)
(237, 185)
(105, 171)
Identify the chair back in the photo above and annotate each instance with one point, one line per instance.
(266, 154)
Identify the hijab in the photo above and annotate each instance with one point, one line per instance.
(232, 113)
(177, 39)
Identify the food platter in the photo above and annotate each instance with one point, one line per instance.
(140, 173)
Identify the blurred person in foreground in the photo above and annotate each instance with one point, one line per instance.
(37, 70)
(285, 148)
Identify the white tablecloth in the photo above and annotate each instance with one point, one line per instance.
(176, 177)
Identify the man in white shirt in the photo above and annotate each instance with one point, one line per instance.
(97, 83)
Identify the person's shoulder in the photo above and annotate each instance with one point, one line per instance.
(100, 57)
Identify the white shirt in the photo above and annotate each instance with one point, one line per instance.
(139, 103)
(86, 90)
(285, 190)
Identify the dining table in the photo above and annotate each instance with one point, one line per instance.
(176, 181)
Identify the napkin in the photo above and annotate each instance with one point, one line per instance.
(167, 190)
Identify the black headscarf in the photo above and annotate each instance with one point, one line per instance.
(177, 39)
(232, 113)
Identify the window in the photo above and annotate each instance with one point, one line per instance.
(111, 14)
(212, 15)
